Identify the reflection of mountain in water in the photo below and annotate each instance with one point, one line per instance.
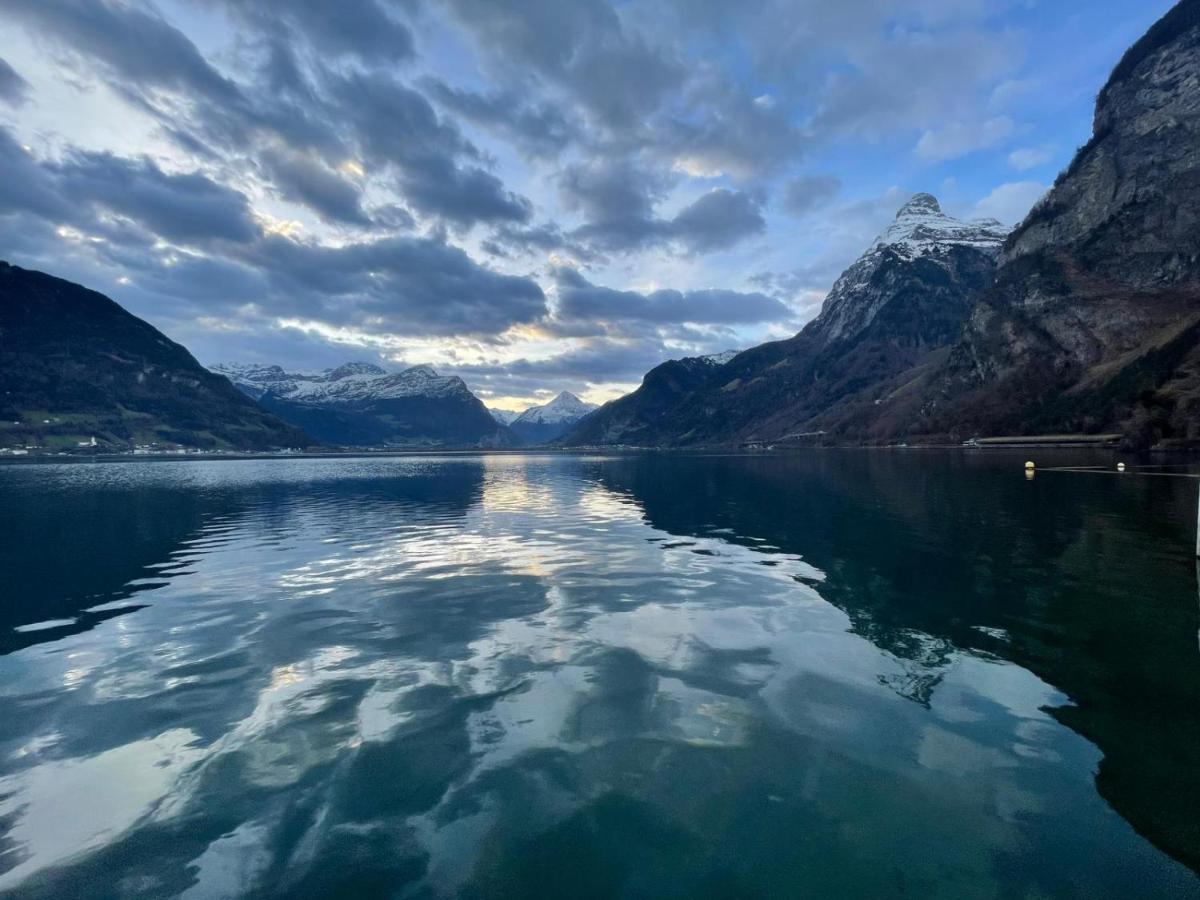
(481, 678)
(1085, 580)
(81, 548)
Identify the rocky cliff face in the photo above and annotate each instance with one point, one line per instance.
(893, 312)
(361, 404)
(1094, 321)
(75, 366)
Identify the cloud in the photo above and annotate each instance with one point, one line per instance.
(14, 90)
(310, 182)
(960, 138)
(398, 129)
(617, 200)
(402, 284)
(543, 239)
(722, 130)
(217, 258)
(187, 208)
(804, 194)
(1025, 158)
(583, 47)
(1011, 201)
(717, 220)
(540, 129)
(579, 299)
(360, 28)
(131, 42)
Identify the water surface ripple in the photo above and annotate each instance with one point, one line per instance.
(825, 675)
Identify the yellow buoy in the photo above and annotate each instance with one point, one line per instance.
(1029, 465)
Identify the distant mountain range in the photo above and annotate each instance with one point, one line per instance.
(76, 368)
(546, 423)
(1085, 320)
(361, 404)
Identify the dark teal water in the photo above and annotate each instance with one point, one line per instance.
(841, 674)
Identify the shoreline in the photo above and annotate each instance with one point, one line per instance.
(981, 449)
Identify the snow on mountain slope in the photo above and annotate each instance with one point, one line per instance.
(503, 416)
(361, 404)
(350, 383)
(920, 231)
(921, 227)
(566, 407)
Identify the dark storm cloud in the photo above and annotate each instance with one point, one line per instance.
(14, 89)
(308, 181)
(579, 299)
(804, 194)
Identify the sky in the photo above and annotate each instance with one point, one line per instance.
(536, 195)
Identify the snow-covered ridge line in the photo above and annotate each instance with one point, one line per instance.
(352, 382)
(920, 227)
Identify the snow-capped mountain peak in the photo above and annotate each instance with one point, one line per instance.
(920, 227)
(566, 407)
(920, 231)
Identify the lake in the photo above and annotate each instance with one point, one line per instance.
(842, 673)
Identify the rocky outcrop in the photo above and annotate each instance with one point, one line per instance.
(1094, 320)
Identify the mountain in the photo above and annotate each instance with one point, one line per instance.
(1094, 321)
(545, 423)
(637, 417)
(894, 312)
(503, 416)
(361, 404)
(75, 366)
(1085, 320)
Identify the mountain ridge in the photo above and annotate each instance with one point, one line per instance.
(902, 301)
(1084, 320)
(362, 404)
(76, 367)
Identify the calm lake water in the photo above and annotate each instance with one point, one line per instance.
(829, 674)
